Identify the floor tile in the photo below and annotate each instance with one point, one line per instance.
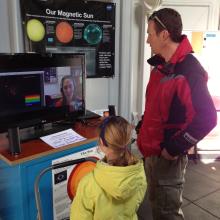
(185, 202)
(144, 212)
(197, 185)
(192, 212)
(211, 203)
(211, 170)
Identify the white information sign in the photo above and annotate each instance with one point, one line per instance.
(61, 200)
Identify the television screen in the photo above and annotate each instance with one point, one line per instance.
(36, 89)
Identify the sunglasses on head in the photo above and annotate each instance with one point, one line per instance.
(155, 17)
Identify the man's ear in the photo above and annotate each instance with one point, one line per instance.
(165, 34)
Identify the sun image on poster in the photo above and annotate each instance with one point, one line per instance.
(35, 30)
(65, 180)
(55, 26)
(92, 34)
(64, 32)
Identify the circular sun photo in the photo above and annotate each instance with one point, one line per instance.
(35, 30)
(64, 32)
(92, 34)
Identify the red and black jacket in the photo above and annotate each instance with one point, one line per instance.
(179, 110)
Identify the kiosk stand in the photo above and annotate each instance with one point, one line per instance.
(19, 172)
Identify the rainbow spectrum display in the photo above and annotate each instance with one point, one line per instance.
(32, 99)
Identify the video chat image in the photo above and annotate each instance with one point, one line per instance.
(48, 87)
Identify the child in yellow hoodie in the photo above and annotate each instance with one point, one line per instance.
(117, 185)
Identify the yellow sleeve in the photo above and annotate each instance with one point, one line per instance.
(82, 206)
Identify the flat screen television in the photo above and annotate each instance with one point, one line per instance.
(37, 89)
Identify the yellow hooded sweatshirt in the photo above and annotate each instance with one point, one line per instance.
(110, 193)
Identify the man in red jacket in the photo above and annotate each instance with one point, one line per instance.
(179, 112)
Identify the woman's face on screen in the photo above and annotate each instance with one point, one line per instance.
(68, 89)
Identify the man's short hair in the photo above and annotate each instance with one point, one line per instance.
(170, 20)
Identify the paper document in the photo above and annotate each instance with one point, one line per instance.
(62, 138)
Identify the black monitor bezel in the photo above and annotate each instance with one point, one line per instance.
(30, 62)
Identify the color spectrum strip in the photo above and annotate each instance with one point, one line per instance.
(32, 99)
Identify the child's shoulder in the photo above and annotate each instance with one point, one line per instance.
(89, 185)
(87, 178)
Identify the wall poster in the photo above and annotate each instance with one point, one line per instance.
(65, 26)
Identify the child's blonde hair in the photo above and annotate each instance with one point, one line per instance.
(115, 133)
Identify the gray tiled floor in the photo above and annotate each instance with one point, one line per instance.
(201, 193)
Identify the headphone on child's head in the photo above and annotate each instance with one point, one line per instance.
(103, 127)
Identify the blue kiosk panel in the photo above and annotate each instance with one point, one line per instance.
(17, 200)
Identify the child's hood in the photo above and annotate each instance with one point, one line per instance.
(120, 182)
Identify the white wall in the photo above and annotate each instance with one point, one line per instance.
(101, 92)
(4, 27)
(199, 15)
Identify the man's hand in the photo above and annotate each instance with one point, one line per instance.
(167, 156)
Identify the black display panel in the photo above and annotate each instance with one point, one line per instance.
(58, 26)
(36, 89)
